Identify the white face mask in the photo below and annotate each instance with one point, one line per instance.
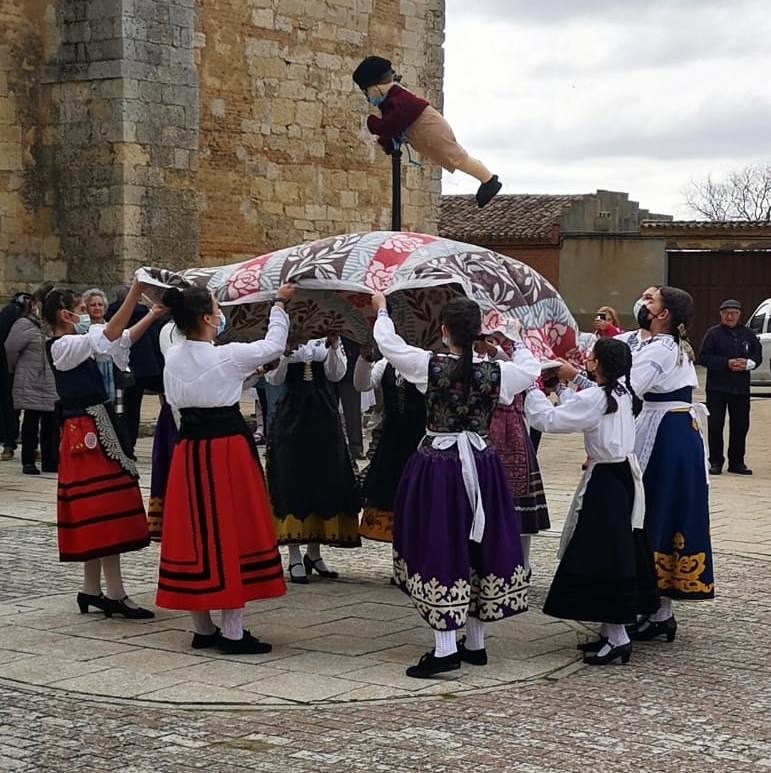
(638, 304)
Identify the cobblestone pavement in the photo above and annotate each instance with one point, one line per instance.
(703, 702)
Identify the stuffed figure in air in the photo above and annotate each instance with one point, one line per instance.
(407, 117)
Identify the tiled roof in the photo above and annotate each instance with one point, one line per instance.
(505, 217)
(706, 225)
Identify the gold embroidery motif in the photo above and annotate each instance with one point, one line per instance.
(377, 524)
(681, 572)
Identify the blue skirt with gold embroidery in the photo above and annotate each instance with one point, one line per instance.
(677, 511)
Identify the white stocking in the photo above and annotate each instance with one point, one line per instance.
(233, 623)
(475, 634)
(202, 623)
(617, 635)
(313, 551)
(92, 579)
(525, 541)
(445, 643)
(113, 579)
(296, 558)
(664, 612)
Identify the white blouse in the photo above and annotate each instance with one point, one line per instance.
(170, 334)
(334, 359)
(70, 351)
(367, 376)
(606, 435)
(655, 367)
(412, 362)
(632, 338)
(199, 374)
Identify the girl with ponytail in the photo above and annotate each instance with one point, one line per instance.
(671, 435)
(457, 550)
(605, 573)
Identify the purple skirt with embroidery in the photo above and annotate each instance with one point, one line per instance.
(447, 576)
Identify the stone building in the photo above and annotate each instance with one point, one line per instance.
(179, 132)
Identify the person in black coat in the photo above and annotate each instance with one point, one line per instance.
(729, 352)
(146, 364)
(9, 417)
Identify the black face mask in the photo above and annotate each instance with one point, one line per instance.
(644, 318)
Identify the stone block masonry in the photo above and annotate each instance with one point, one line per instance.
(175, 132)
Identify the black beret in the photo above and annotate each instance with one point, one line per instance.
(730, 304)
(371, 71)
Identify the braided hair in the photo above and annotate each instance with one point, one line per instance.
(463, 320)
(680, 305)
(188, 307)
(615, 359)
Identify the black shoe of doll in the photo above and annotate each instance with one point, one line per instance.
(488, 190)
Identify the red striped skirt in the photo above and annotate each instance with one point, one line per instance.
(218, 547)
(99, 508)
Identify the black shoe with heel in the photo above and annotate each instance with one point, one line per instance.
(300, 579)
(622, 653)
(648, 630)
(86, 600)
(311, 567)
(120, 607)
(592, 646)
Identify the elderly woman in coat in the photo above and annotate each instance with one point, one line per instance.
(34, 390)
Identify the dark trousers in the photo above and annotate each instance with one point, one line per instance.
(738, 425)
(351, 400)
(40, 427)
(132, 404)
(9, 418)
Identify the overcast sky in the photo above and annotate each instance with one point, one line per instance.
(567, 96)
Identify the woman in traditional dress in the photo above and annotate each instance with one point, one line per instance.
(512, 440)
(218, 549)
(310, 474)
(164, 438)
(605, 574)
(671, 432)
(403, 426)
(99, 513)
(457, 550)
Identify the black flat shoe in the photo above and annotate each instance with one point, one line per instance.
(86, 600)
(740, 469)
(716, 469)
(488, 190)
(592, 646)
(119, 607)
(622, 653)
(648, 630)
(30, 469)
(473, 657)
(429, 665)
(202, 641)
(247, 645)
(310, 568)
(300, 579)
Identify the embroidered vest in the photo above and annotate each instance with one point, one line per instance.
(448, 409)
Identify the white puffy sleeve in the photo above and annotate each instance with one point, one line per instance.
(335, 363)
(578, 413)
(244, 359)
(649, 364)
(367, 376)
(70, 351)
(410, 361)
(517, 374)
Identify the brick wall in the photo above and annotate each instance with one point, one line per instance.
(174, 132)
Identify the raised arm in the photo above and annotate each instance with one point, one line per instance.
(519, 373)
(117, 324)
(336, 362)
(410, 361)
(580, 413)
(246, 358)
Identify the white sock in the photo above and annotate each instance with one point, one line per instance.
(445, 643)
(92, 577)
(295, 557)
(664, 612)
(525, 540)
(617, 635)
(475, 634)
(313, 551)
(202, 623)
(233, 623)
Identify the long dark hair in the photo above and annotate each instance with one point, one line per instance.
(615, 359)
(463, 320)
(56, 299)
(680, 305)
(188, 307)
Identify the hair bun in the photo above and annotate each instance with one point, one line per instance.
(172, 298)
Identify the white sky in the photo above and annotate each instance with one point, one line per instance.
(567, 96)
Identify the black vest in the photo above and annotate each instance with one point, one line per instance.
(80, 387)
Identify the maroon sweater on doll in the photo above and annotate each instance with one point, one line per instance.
(400, 109)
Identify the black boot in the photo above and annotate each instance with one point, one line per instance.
(487, 190)
(429, 665)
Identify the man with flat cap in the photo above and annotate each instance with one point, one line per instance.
(729, 352)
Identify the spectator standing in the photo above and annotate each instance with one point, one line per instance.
(96, 307)
(34, 388)
(9, 418)
(606, 323)
(729, 352)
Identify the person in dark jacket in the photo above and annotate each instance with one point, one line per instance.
(146, 364)
(729, 352)
(9, 417)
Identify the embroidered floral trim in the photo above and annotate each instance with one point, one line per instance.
(443, 607)
(108, 439)
(680, 571)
